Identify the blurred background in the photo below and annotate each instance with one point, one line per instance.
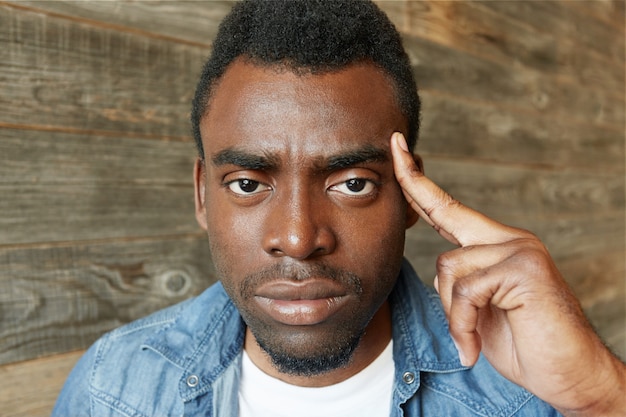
(523, 119)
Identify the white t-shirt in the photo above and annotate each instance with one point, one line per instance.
(367, 393)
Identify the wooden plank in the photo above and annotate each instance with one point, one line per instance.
(486, 131)
(459, 74)
(30, 389)
(511, 192)
(612, 12)
(83, 212)
(63, 186)
(594, 234)
(562, 18)
(193, 22)
(481, 31)
(60, 73)
(49, 157)
(197, 22)
(61, 298)
(593, 277)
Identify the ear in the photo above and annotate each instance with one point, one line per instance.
(411, 215)
(199, 182)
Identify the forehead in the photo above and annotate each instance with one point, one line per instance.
(272, 109)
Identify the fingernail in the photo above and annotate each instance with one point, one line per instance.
(462, 358)
(436, 283)
(401, 141)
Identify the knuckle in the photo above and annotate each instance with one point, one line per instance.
(461, 289)
(467, 290)
(446, 263)
(527, 236)
(533, 251)
(534, 260)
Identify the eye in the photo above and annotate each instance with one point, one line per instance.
(355, 187)
(246, 186)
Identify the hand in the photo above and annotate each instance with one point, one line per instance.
(504, 296)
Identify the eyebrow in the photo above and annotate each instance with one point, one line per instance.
(244, 159)
(268, 161)
(365, 154)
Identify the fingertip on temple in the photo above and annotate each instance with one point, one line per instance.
(400, 141)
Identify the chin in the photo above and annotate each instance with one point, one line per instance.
(300, 355)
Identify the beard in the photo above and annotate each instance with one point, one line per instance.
(313, 350)
(335, 356)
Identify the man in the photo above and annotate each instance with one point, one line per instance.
(305, 117)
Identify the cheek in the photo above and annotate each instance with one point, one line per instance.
(376, 245)
(233, 239)
(381, 228)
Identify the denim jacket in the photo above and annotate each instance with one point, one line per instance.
(186, 360)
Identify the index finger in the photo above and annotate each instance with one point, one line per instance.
(457, 223)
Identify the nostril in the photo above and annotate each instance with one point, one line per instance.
(276, 252)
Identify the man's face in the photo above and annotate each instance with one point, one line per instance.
(304, 216)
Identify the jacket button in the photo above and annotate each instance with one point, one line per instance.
(192, 381)
(408, 377)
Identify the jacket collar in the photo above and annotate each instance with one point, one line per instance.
(420, 327)
(203, 340)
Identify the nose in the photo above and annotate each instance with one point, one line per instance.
(299, 227)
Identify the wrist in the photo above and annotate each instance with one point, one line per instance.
(606, 397)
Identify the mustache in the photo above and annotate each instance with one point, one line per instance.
(293, 272)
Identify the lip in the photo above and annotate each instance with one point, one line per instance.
(301, 303)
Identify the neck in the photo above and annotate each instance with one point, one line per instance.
(376, 337)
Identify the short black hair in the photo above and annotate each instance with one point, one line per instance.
(313, 36)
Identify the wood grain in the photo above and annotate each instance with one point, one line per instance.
(30, 389)
(61, 298)
(511, 192)
(476, 28)
(569, 22)
(60, 73)
(468, 77)
(67, 187)
(49, 157)
(611, 12)
(483, 131)
(195, 23)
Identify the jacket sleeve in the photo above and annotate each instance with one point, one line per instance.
(75, 399)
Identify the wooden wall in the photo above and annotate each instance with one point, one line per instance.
(523, 119)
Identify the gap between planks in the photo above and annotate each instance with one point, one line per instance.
(86, 242)
(93, 132)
